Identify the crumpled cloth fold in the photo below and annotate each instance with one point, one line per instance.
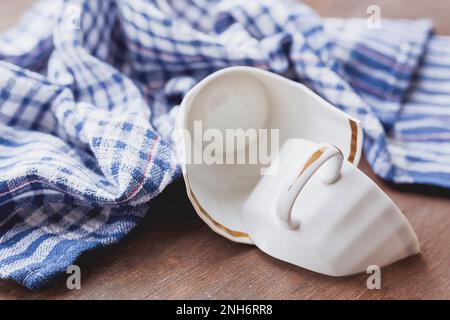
(89, 91)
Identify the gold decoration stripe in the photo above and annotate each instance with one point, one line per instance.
(207, 216)
(316, 155)
(354, 141)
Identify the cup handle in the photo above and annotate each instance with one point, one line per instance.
(326, 155)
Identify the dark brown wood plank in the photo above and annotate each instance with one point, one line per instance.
(172, 254)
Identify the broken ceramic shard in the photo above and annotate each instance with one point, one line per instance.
(312, 206)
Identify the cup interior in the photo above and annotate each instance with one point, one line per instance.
(231, 102)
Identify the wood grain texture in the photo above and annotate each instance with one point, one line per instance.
(172, 254)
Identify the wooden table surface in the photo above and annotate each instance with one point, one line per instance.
(172, 254)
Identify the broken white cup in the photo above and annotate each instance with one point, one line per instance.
(322, 213)
(250, 98)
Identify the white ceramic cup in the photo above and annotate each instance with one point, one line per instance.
(326, 157)
(250, 98)
(322, 213)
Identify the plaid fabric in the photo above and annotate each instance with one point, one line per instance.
(88, 96)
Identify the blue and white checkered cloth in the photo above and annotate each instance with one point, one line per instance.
(89, 92)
